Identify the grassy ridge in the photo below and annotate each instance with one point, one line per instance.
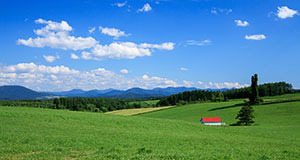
(34, 133)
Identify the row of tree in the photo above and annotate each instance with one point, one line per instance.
(191, 97)
(267, 89)
(75, 104)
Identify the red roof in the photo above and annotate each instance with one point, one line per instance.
(211, 119)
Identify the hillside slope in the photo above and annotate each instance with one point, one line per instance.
(34, 133)
(19, 92)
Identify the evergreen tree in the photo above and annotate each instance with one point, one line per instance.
(245, 116)
(254, 97)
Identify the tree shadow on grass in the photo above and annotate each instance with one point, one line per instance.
(226, 107)
(282, 101)
(264, 103)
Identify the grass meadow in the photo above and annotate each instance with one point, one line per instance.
(175, 133)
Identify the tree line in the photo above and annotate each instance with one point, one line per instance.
(192, 96)
(76, 104)
(267, 89)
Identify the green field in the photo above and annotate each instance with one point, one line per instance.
(175, 133)
(137, 111)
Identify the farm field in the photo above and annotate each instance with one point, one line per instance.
(136, 111)
(175, 133)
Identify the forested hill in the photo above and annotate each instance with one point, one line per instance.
(19, 93)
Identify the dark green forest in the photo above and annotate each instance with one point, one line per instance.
(267, 89)
(75, 104)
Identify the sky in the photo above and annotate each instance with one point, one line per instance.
(121, 44)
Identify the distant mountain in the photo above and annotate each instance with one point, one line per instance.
(73, 92)
(19, 92)
(222, 89)
(81, 93)
(130, 93)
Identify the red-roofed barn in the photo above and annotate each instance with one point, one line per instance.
(211, 121)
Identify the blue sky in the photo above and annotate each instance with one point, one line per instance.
(62, 45)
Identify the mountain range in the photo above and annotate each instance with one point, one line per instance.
(20, 92)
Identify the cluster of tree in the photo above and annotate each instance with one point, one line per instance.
(192, 97)
(92, 104)
(245, 116)
(28, 103)
(76, 104)
(267, 89)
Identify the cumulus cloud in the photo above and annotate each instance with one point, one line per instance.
(120, 4)
(285, 12)
(183, 69)
(228, 85)
(200, 82)
(163, 46)
(54, 78)
(92, 29)
(50, 59)
(127, 50)
(74, 56)
(56, 35)
(124, 71)
(116, 33)
(158, 82)
(33, 68)
(198, 43)
(255, 37)
(241, 23)
(188, 83)
(145, 8)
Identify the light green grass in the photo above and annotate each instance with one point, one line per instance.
(34, 133)
(136, 111)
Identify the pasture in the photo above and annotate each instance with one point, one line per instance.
(175, 133)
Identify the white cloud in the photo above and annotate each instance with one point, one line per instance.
(54, 78)
(198, 43)
(74, 56)
(127, 50)
(145, 77)
(187, 83)
(92, 29)
(120, 4)
(163, 46)
(216, 11)
(145, 8)
(56, 35)
(183, 69)
(228, 85)
(200, 82)
(50, 59)
(241, 23)
(33, 68)
(285, 12)
(125, 71)
(255, 37)
(116, 33)
(157, 82)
